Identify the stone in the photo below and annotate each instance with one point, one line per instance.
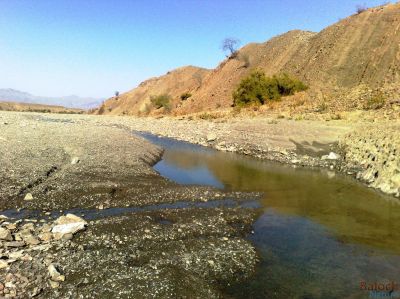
(211, 137)
(28, 227)
(369, 175)
(16, 255)
(396, 180)
(5, 234)
(69, 224)
(3, 264)
(55, 275)
(67, 237)
(75, 160)
(1, 286)
(11, 226)
(46, 228)
(31, 240)
(331, 156)
(54, 284)
(28, 196)
(46, 236)
(15, 244)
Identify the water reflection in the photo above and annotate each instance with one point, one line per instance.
(320, 233)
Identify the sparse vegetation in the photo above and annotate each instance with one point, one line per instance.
(102, 108)
(185, 96)
(161, 101)
(257, 88)
(230, 45)
(361, 8)
(376, 101)
(322, 107)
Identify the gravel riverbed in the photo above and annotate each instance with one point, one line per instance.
(52, 165)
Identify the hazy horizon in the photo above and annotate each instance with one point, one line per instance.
(93, 48)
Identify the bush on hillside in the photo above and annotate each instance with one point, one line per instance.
(257, 88)
(360, 9)
(185, 96)
(375, 102)
(161, 101)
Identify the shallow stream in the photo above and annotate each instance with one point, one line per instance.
(320, 234)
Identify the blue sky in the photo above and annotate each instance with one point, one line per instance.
(94, 47)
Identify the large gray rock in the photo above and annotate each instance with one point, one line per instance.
(68, 224)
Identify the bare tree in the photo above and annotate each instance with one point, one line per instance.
(230, 45)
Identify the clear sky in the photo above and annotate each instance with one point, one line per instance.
(94, 47)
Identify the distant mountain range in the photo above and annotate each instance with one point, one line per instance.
(12, 95)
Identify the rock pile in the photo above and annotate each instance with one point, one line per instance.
(27, 253)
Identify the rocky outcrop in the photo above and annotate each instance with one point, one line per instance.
(375, 154)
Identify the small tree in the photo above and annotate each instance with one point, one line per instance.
(361, 8)
(230, 45)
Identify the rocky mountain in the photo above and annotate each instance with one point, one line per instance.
(360, 51)
(12, 95)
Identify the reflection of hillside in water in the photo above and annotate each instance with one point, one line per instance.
(354, 212)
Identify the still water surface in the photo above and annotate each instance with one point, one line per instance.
(319, 234)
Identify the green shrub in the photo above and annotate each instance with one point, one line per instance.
(288, 85)
(257, 89)
(160, 101)
(185, 96)
(375, 102)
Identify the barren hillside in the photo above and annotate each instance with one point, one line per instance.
(361, 50)
(174, 83)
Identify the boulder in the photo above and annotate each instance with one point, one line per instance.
(331, 156)
(68, 224)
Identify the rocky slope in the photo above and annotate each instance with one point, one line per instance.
(361, 50)
(137, 101)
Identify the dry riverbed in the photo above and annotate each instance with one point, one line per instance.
(54, 165)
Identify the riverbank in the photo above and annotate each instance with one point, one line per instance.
(362, 144)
